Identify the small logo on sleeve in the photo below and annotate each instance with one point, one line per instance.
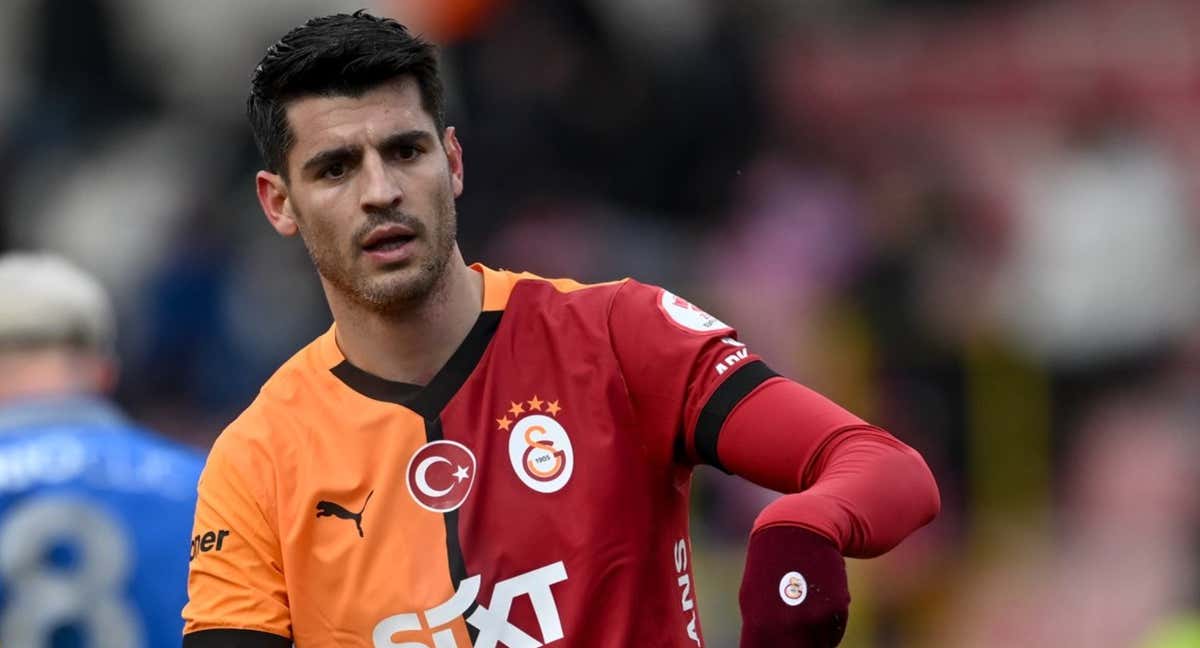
(208, 541)
(440, 475)
(793, 589)
(687, 315)
(326, 508)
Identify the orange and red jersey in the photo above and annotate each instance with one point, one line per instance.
(534, 493)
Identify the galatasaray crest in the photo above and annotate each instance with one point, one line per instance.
(538, 445)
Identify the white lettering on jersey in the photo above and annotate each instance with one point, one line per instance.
(491, 621)
(730, 360)
(46, 460)
(685, 589)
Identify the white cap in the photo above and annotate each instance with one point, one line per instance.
(45, 300)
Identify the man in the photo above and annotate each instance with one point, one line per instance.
(472, 457)
(91, 507)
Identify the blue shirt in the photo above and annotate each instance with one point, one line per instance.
(94, 517)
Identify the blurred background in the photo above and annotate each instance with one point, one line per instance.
(974, 223)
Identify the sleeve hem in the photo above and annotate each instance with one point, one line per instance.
(235, 638)
(721, 403)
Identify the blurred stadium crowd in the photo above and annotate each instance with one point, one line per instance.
(974, 222)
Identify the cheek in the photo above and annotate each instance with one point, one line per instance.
(319, 213)
(323, 200)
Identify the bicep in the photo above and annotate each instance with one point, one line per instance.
(775, 435)
(235, 578)
(683, 369)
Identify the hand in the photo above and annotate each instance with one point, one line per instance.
(794, 592)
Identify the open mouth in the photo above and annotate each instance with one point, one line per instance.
(389, 242)
(387, 238)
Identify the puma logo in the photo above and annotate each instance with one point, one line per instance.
(333, 509)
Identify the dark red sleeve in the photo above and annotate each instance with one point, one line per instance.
(849, 481)
(687, 374)
(683, 368)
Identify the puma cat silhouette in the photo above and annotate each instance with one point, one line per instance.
(333, 509)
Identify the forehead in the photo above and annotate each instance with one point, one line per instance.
(318, 123)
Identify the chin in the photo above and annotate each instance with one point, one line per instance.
(391, 293)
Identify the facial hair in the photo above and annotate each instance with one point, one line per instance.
(386, 292)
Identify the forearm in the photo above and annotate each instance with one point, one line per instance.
(852, 489)
(848, 481)
(868, 492)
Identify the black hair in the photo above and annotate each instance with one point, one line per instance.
(338, 55)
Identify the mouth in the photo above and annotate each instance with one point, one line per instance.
(387, 237)
(388, 242)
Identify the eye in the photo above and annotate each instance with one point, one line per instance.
(334, 171)
(407, 152)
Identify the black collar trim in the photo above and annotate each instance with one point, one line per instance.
(428, 401)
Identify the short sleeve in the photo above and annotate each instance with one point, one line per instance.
(685, 369)
(235, 578)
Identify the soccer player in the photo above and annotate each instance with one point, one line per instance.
(92, 508)
(473, 457)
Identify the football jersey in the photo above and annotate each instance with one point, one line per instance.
(534, 493)
(92, 514)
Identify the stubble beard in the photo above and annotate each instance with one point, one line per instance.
(392, 292)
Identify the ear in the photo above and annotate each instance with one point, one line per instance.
(109, 375)
(273, 197)
(454, 156)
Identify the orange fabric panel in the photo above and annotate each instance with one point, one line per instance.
(236, 577)
(283, 568)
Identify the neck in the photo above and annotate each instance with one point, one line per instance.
(53, 372)
(412, 345)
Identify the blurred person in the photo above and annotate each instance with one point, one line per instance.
(1102, 278)
(1104, 262)
(92, 507)
(480, 457)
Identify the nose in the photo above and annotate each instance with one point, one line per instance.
(381, 189)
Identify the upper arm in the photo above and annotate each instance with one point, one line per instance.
(850, 481)
(684, 369)
(235, 578)
(781, 435)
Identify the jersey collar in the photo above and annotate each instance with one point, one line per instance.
(429, 400)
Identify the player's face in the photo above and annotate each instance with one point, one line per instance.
(370, 189)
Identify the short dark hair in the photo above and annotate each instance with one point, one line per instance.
(338, 55)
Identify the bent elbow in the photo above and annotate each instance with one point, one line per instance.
(925, 499)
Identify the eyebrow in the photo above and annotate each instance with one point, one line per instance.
(346, 153)
(329, 156)
(406, 138)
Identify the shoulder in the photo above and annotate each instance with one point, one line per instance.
(626, 293)
(308, 373)
(268, 425)
(243, 460)
(624, 302)
(508, 290)
(504, 288)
